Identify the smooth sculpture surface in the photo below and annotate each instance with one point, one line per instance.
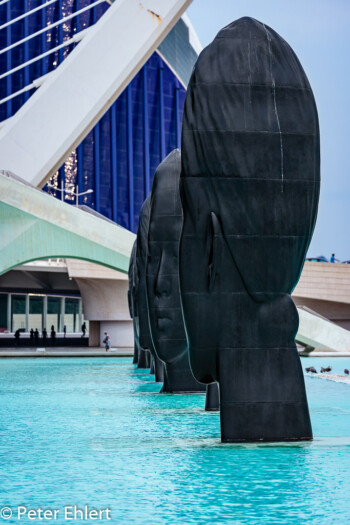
(144, 334)
(249, 189)
(162, 276)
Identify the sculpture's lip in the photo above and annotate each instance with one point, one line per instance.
(163, 321)
(160, 315)
(164, 328)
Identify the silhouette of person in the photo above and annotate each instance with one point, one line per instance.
(31, 335)
(332, 259)
(36, 336)
(53, 336)
(17, 336)
(44, 335)
(64, 331)
(83, 329)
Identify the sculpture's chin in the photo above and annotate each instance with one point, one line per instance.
(170, 350)
(203, 363)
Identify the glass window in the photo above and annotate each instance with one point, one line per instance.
(53, 313)
(18, 312)
(71, 315)
(36, 308)
(3, 312)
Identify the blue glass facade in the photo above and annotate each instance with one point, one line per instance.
(119, 156)
(38, 45)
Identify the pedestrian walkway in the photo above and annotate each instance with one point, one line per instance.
(65, 352)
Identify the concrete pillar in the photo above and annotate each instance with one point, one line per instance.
(9, 301)
(80, 314)
(63, 309)
(27, 313)
(45, 313)
(105, 300)
(94, 333)
(104, 294)
(120, 332)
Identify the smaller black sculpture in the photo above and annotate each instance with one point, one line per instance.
(164, 305)
(140, 356)
(144, 335)
(131, 297)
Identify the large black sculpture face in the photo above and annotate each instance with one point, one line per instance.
(162, 271)
(249, 189)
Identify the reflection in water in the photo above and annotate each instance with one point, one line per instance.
(97, 432)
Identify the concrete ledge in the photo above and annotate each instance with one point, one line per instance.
(325, 354)
(337, 378)
(64, 352)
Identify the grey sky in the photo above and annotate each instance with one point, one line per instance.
(319, 33)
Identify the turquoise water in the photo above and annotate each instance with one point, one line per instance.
(95, 432)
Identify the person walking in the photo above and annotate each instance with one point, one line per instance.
(83, 329)
(107, 341)
(64, 331)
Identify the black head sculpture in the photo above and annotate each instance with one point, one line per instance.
(143, 329)
(162, 274)
(131, 296)
(141, 325)
(249, 189)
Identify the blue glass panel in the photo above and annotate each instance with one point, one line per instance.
(154, 113)
(105, 167)
(114, 169)
(122, 162)
(178, 51)
(88, 169)
(38, 45)
(169, 110)
(138, 146)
